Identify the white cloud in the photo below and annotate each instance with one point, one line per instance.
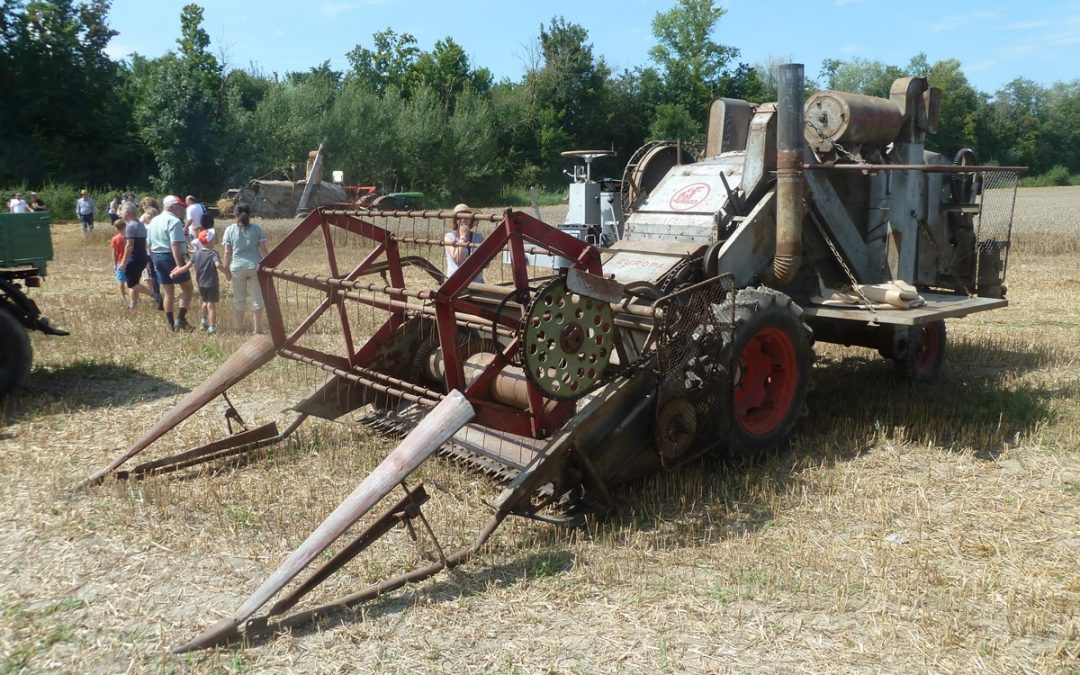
(118, 51)
(332, 9)
(953, 22)
(1028, 25)
(853, 48)
(981, 65)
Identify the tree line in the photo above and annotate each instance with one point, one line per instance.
(429, 120)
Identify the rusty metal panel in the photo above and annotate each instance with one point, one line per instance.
(750, 249)
(594, 286)
(937, 307)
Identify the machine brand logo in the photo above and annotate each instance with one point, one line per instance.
(689, 197)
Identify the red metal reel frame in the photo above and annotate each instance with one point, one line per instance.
(515, 229)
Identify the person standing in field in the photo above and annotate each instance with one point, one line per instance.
(114, 208)
(135, 253)
(150, 211)
(84, 211)
(461, 232)
(37, 205)
(168, 248)
(193, 220)
(207, 263)
(18, 204)
(245, 247)
(118, 246)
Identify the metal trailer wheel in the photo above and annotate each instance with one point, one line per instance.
(16, 354)
(773, 355)
(924, 353)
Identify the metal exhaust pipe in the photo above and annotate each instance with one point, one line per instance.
(252, 355)
(789, 179)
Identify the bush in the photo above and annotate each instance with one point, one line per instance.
(1058, 175)
(61, 197)
(519, 196)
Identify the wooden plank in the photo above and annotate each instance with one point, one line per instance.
(937, 307)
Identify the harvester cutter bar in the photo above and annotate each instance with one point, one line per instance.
(239, 443)
(495, 454)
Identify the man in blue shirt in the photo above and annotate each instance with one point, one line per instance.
(168, 246)
(84, 211)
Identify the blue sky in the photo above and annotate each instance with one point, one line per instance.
(995, 42)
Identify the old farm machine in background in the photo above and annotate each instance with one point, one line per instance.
(694, 333)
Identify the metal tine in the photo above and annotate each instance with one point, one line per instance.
(405, 509)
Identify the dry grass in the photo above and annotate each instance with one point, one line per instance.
(907, 529)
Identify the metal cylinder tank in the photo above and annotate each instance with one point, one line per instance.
(850, 120)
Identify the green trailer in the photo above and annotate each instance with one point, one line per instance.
(25, 251)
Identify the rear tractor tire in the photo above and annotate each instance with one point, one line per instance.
(16, 354)
(773, 357)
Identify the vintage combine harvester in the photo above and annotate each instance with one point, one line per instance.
(824, 219)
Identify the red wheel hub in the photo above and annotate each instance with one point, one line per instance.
(927, 349)
(768, 375)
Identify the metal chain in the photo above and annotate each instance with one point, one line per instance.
(836, 146)
(840, 259)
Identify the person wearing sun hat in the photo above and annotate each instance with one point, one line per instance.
(462, 230)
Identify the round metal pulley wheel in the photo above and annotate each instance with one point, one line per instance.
(567, 340)
(676, 427)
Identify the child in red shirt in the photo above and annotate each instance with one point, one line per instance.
(119, 245)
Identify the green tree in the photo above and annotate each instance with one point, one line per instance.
(672, 121)
(692, 64)
(295, 116)
(1063, 124)
(567, 96)
(1014, 133)
(860, 76)
(388, 64)
(446, 69)
(179, 110)
(960, 108)
(64, 116)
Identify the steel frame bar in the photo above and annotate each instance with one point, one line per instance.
(450, 304)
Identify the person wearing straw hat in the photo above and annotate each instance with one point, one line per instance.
(462, 230)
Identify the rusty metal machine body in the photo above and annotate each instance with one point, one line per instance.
(691, 334)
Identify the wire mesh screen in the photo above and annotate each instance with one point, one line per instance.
(694, 366)
(994, 227)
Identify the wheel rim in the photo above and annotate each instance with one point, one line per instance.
(927, 349)
(768, 375)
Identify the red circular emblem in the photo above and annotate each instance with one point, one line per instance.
(689, 197)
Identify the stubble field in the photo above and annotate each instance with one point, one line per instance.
(906, 529)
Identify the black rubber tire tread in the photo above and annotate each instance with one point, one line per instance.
(905, 364)
(16, 354)
(757, 309)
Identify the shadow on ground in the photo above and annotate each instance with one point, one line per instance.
(459, 584)
(87, 385)
(981, 400)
